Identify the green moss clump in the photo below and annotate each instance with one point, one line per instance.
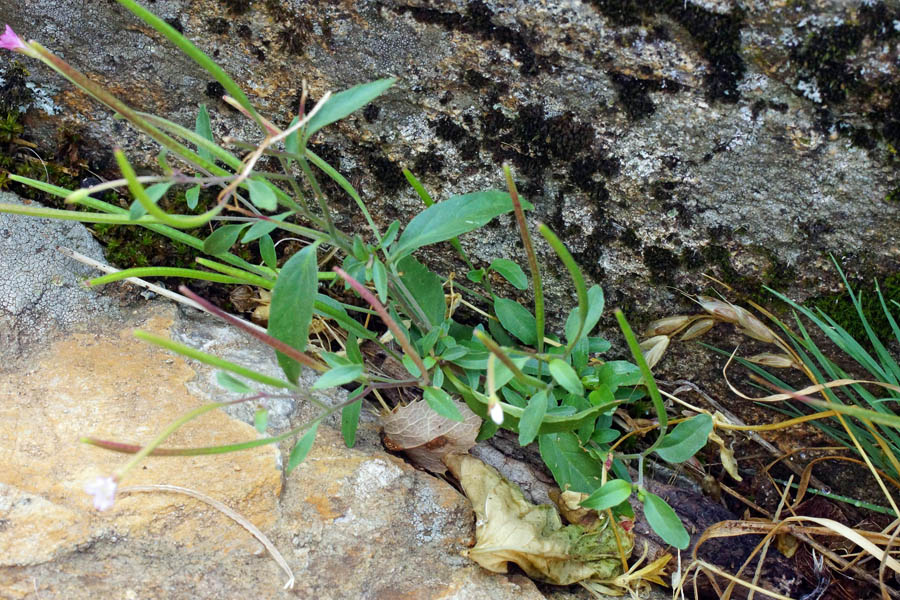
(840, 308)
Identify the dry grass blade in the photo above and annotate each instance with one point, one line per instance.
(238, 518)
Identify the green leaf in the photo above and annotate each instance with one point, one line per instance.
(566, 376)
(616, 373)
(425, 287)
(302, 447)
(577, 279)
(530, 423)
(154, 192)
(344, 103)
(612, 493)
(569, 463)
(192, 197)
(292, 305)
(222, 239)
(516, 319)
(261, 195)
(261, 420)
(337, 376)
(267, 251)
(292, 141)
(663, 520)
(511, 272)
(350, 422)
(595, 311)
(452, 217)
(686, 439)
(203, 128)
(487, 430)
(231, 384)
(391, 234)
(441, 403)
(354, 354)
(263, 226)
(475, 275)
(380, 278)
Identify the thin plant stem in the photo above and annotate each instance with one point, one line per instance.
(398, 333)
(532, 262)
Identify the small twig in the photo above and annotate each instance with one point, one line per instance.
(241, 520)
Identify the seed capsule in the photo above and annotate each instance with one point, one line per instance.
(717, 308)
(667, 325)
(654, 348)
(753, 327)
(697, 328)
(776, 361)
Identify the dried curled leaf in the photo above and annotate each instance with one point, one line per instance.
(426, 437)
(511, 529)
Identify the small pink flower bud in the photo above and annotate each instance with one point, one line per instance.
(11, 41)
(496, 412)
(103, 489)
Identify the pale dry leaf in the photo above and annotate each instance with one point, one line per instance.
(426, 437)
(508, 528)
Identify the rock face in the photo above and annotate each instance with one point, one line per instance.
(41, 290)
(350, 523)
(663, 140)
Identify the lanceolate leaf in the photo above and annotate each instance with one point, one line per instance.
(338, 376)
(350, 422)
(292, 306)
(222, 239)
(516, 319)
(664, 521)
(302, 447)
(441, 403)
(425, 287)
(261, 195)
(452, 217)
(612, 493)
(566, 376)
(595, 311)
(511, 272)
(203, 128)
(530, 423)
(686, 439)
(569, 463)
(344, 103)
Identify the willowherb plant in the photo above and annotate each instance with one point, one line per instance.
(508, 368)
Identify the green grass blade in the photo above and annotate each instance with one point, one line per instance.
(165, 272)
(212, 360)
(195, 54)
(244, 276)
(575, 273)
(649, 382)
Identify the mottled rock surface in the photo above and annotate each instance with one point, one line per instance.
(663, 140)
(41, 290)
(351, 523)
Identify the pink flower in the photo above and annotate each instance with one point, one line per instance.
(11, 41)
(103, 489)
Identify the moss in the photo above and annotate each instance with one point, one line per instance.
(662, 264)
(217, 25)
(893, 195)
(479, 20)
(634, 93)
(237, 7)
(840, 308)
(718, 36)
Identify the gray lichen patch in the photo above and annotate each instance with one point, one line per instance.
(40, 288)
